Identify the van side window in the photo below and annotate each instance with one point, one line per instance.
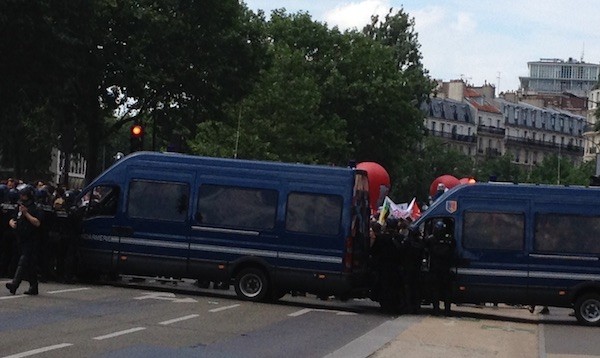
(493, 231)
(158, 200)
(567, 234)
(314, 213)
(100, 201)
(228, 206)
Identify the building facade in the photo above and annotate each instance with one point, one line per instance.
(473, 121)
(558, 76)
(590, 135)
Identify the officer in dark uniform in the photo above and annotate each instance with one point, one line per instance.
(413, 248)
(46, 260)
(65, 229)
(441, 246)
(5, 249)
(26, 224)
(386, 263)
(10, 252)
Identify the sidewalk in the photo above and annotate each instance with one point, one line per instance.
(474, 332)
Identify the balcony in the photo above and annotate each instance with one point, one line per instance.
(453, 136)
(491, 130)
(543, 144)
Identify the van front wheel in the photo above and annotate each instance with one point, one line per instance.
(251, 285)
(587, 309)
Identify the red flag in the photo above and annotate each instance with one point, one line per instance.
(415, 211)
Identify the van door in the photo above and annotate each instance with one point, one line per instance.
(234, 222)
(313, 242)
(154, 237)
(99, 244)
(492, 265)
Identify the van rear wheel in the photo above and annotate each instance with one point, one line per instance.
(251, 284)
(587, 309)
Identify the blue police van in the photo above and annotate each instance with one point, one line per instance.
(523, 244)
(267, 227)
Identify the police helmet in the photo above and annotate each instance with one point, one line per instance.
(70, 196)
(391, 223)
(27, 191)
(41, 195)
(13, 196)
(3, 192)
(439, 228)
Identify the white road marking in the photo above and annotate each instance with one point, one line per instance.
(165, 296)
(119, 333)
(69, 290)
(39, 350)
(307, 310)
(223, 308)
(300, 313)
(175, 320)
(10, 297)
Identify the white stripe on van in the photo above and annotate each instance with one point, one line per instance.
(156, 243)
(233, 250)
(565, 275)
(318, 258)
(218, 248)
(491, 272)
(525, 274)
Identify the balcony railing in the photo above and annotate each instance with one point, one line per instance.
(453, 136)
(543, 144)
(491, 130)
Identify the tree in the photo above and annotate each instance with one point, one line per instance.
(420, 168)
(184, 59)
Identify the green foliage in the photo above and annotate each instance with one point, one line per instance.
(421, 167)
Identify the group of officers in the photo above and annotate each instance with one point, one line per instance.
(38, 234)
(411, 269)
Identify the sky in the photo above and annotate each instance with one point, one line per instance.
(477, 41)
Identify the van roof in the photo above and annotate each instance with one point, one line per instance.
(493, 190)
(177, 159)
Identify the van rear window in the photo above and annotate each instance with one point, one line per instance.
(567, 233)
(314, 213)
(158, 200)
(493, 231)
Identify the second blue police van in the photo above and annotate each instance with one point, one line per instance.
(267, 227)
(523, 244)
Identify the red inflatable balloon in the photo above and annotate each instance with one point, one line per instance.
(448, 180)
(378, 177)
(467, 181)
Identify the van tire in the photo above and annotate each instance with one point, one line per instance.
(251, 284)
(587, 309)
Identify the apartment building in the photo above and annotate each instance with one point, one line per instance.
(472, 120)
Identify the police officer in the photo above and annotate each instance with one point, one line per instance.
(26, 224)
(441, 246)
(9, 252)
(413, 248)
(386, 262)
(48, 245)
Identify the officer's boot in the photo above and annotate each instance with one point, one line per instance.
(12, 286)
(33, 283)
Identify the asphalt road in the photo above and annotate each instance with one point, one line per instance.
(151, 319)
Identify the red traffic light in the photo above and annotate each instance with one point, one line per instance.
(137, 131)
